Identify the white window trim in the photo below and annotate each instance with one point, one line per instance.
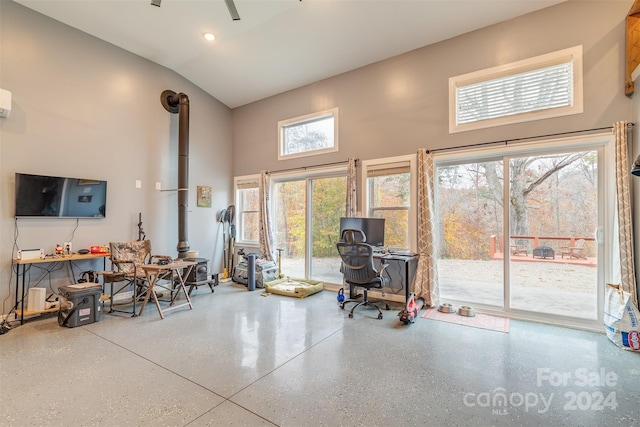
(331, 112)
(573, 54)
(413, 201)
(237, 181)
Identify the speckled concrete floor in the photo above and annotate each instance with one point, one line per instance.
(239, 358)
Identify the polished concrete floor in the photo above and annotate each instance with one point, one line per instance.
(240, 358)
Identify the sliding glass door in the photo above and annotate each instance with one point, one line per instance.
(470, 205)
(307, 225)
(526, 245)
(553, 215)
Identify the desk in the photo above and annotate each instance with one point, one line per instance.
(179, 271)
(408, 263)
(50, 260)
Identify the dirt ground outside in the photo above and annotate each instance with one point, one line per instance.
(543, 287)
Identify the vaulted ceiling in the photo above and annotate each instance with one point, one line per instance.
(277, 45)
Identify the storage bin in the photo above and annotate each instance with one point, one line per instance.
(79, 304)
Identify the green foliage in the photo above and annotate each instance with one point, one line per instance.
(328, 196)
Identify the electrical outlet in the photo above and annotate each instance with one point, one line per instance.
(158, 186)
(138, 183)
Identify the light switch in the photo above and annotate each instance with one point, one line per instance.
(138, 183)
(158, 186)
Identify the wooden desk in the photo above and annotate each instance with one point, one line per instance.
(50, 260)
(179, 271)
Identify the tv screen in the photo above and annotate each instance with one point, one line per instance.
(373, 228)
(61, 197)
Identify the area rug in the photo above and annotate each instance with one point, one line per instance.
(482, 321)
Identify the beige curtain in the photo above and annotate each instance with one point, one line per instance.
(352, 185)
(623, 200)
(426, 284)
(265, 235)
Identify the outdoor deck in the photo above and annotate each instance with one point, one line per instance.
(589, 261)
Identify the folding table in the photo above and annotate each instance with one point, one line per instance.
(179, 270)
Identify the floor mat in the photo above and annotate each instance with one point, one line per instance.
(483, 321)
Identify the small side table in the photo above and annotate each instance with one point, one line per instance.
(179, 270)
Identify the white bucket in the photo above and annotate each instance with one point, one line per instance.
(36, 299)
(192, 254)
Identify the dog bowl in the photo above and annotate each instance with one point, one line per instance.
(465, 310)
(446, 308)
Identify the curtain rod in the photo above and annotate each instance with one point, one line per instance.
(312, 166)
(507, 141)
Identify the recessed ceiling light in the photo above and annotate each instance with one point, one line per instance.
(209, 36)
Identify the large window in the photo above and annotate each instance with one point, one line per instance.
(390, 194)
(308, 135)
(537, 88)
(247, 209)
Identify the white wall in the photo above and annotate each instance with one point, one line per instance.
(398, 105)
(85, 108)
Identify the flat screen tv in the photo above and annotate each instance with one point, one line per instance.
(60, 197)
(373, 228)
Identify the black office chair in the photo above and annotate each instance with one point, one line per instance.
(358, 269)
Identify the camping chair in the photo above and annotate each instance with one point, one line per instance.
(358, 269)
(127, 258)
(518, 249)
(574, 251)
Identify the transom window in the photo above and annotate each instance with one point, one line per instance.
(537, 88)
(308, 135)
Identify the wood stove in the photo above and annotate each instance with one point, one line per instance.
(199, 275)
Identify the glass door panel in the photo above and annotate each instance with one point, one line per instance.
(328, 204)
(289, 225)
(307, 226)
(470, 263)
(553, 215)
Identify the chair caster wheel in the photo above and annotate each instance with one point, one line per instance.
(387, 307)
(342, 306)
(380, 316)
(350, 315)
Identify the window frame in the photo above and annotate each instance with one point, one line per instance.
(301, 120)
(572, 54)
(307, 176)
(241, 181)
(607, 234)
(409, 161)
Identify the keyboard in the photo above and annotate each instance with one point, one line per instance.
(403, 254)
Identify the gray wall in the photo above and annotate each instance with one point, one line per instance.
(399, 105)
(84, 108)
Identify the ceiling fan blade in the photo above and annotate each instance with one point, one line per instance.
(232, 10)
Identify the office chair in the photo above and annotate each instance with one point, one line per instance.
(358, 269)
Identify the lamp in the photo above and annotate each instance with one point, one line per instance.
(635, 170)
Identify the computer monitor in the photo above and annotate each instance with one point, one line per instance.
(373, 228)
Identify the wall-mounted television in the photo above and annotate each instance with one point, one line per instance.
(373, 228)
(60, 197)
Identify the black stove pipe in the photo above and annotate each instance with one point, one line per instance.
(179, 103)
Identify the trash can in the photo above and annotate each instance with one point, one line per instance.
(251, 271)
(79, 304)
